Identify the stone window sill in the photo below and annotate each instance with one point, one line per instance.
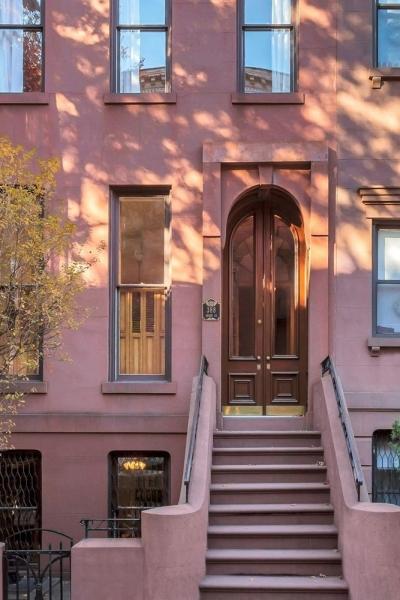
(376, 343)
(271, 98)
(30, 387)
(167, 98)
(24, 98)
(139, 387)
(378, 76)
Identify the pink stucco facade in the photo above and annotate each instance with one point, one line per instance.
(209, 146)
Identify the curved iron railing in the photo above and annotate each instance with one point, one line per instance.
(187, 473)
(329, 367)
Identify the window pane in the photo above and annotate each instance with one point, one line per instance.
(142, 12)
(20, 60)
(388, 38)
(142, 332)
(20, 12)
(243, 290)
(11, 60)
(137, 482)
(142, 235)
(267, 56)
(142, 61)
(285, 292)
(32, 61)
(275, 12)
(388, 308)
(388, 254)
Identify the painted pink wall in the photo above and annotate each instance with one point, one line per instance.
(75, 473)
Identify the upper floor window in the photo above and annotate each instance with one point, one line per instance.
(142, 298)
(142, 62)
(388, 33)
(21, 46)
(387, 280)
(267, 46)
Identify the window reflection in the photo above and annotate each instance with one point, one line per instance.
(243, 289)
(285, 289)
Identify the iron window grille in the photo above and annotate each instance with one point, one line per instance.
(386, 279)
(22, 40)
(279, 35)
(387, 33)
(138, 481)
(20, 496)
(141, 46)
(385, 470)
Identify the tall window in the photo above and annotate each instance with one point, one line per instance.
(139, 481)
(21, 45)
(267, 42)
(387, 280)
(141, 272)
(385, 470)
(388, 33)
(142, 46)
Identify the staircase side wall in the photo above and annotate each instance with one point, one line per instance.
(368, 537)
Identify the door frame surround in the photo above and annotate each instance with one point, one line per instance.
(233, 170)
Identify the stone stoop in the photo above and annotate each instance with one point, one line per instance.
(271, 531)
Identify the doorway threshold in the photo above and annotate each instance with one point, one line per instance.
(266, 423)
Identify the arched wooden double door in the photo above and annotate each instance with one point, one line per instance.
(265, 316)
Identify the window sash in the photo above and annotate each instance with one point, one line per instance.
(31, 28)
(377, 282)
(117, 287)
(118, 28)
(266, 27)
(379, 8)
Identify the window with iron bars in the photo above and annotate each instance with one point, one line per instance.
(385, 470)
(138, 481)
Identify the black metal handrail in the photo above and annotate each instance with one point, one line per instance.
(329, 367)
(187, 473)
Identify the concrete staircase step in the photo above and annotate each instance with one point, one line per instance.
(268, 473)
(272, 536)
(268, 455)
(270, 514)
(223, 439)
(273, 493)
(218, 587)
(273, 562)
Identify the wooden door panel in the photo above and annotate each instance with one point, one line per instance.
(285, 388)
(242, 388)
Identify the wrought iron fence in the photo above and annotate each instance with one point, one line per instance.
(385, 470)
(38, 574)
